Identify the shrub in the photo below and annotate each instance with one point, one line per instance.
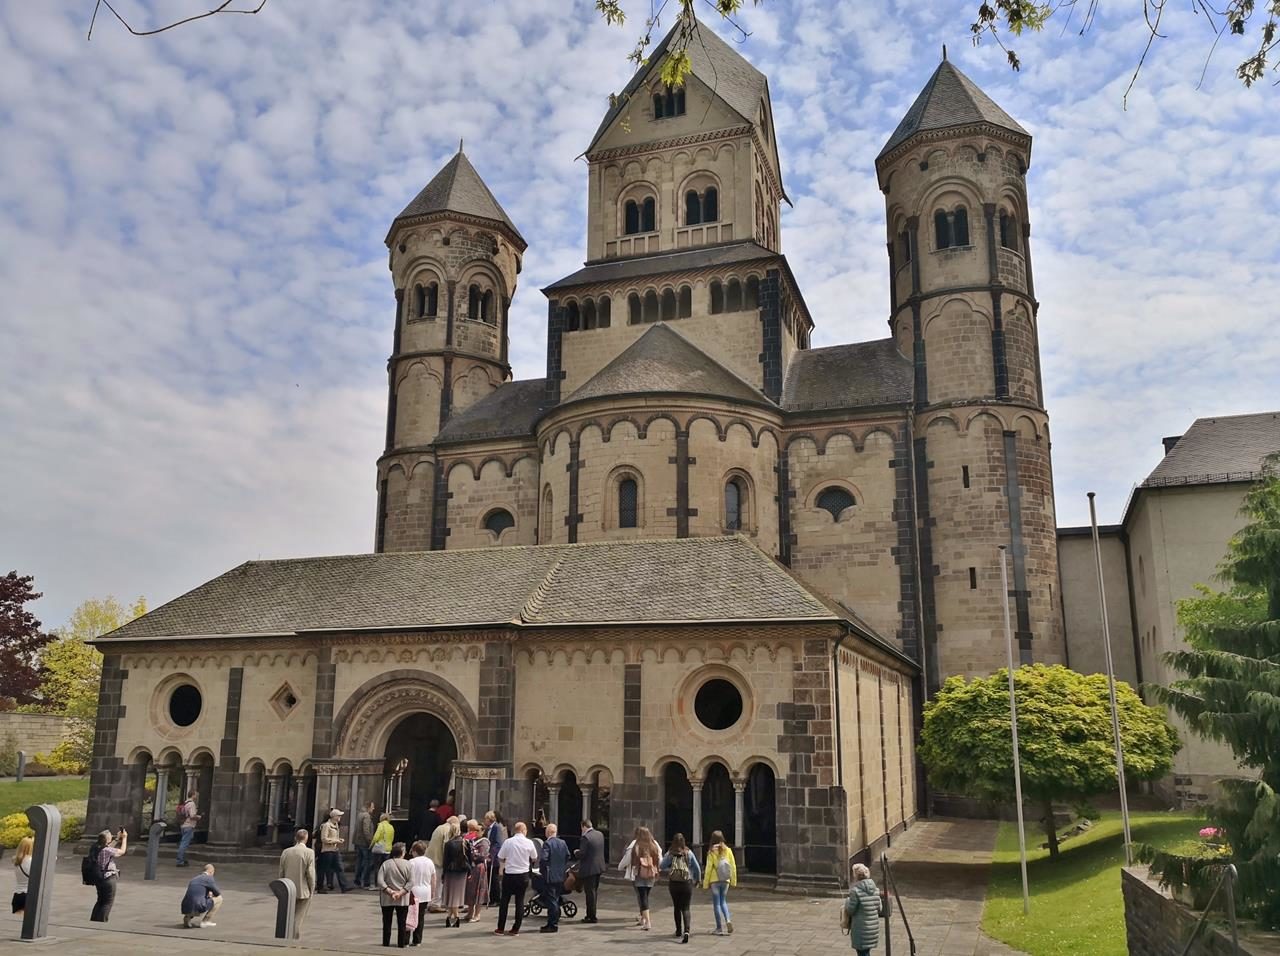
(13, 828)
(8, 756)
(16, 825)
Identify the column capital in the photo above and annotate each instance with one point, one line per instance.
(739, 786)
(695, 783)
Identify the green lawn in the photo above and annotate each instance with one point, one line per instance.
(1076, 906)
(16, 797)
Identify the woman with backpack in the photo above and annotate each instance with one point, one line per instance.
(682, 871)
(384, 837)
(100, 870)
(640, 864)
(457, 867)
(720, 874)
(862, 909)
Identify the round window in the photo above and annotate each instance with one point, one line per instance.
(718, 704)
(184, 705)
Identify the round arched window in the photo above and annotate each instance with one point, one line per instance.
(184, 705)
(718, 704)
(498, 521)
(835, 500)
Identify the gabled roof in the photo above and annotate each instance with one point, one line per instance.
(678, 580)
(848, 376)
(1215, 450)
(458, 188)
(664, 361)
(949, 99)
(724, 70)
(507, 412)
(662, 263)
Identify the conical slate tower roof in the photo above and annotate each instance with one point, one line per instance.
(949, 99)
(459, 188)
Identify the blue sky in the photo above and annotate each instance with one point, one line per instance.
(195, 308)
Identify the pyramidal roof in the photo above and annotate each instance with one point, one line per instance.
(949, 99)
(713, 61)
(459, 188)
(663, 360)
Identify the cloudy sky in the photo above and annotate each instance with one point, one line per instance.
(195, 308)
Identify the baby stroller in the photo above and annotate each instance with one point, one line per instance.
(538, 904)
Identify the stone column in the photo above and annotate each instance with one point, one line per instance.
(273, 800)
(587, 790)
(162, 794)
(739, 820)
(192, 780)
(553, 796)
(697, 812)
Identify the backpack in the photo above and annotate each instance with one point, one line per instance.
(647, 868)
(456, 858)
(91, 868)
(679, 868)
(723, 870)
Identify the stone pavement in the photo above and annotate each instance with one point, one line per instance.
(940, 867)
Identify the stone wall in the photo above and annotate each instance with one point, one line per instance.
(33, 733)
(1156, 925)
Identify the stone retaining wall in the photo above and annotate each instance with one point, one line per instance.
(34, 733)
(1157, 925)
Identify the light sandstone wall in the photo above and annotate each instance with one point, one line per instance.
(1078, 571)
(604, 464)
(33, 733)
(475, 497)
(848, 559)
(553, 499)
(410, 490)
(146, 726)
(268, 733)
(419, 387)
(717, 462)
(459, 664)
(569, 710)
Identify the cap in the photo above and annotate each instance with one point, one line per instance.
(335, 812)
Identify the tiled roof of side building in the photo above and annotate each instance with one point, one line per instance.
(1213, 450)
(664, 361)
(949, 99)
(507, 412)
(722, 68)
(613, 269)
(458, 188)
(847, 376)
(681, 580)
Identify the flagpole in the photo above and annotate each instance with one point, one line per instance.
(1013, 717)
(1111, 683)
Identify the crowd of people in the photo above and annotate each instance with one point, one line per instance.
(464, 867)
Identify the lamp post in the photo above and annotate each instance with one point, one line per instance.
(1013, 717)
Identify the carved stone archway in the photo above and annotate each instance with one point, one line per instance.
(365, 722)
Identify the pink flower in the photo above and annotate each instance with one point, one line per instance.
(1209, 833)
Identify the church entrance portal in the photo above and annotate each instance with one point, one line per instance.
(418, 769)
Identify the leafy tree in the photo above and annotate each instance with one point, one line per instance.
(72, 670)
(20, 639)
(1064, 736)
(1231, 690)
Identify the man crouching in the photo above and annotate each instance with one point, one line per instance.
(201, 902)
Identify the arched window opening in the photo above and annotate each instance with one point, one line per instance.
(651, 306)
(473, 302)
(433, 300)
(692, 208)
(686, 302)
(419, 301)
(634, 315)
(717, 297)
(904, 247)
(733, 502)
(1008, 231)
(589, 315)
(711, 205)
(498, 520)
(604, 307)
(752, 300)
(668, 305)
(631, 216)
(835, 500)
(733, 296)
(679, 102)
(659, 109)
(628, 503)
(573, 319)
(960, 226)
(649, 215)
(544, 526)
(942, 230)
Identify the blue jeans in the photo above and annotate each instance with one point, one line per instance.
(186, 835)
(553, 902)
(720, 902)
(364, 865)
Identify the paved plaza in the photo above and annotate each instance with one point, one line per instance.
(943, 902)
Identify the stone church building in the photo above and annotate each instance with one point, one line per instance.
(699, 576)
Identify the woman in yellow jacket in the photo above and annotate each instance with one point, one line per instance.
(720, 873)
(384, 837)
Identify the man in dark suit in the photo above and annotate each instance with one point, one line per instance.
(591, 864)
(555, 867)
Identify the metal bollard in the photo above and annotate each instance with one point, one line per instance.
(22, 764)
(286, 898)
(153, 848)
(47, 822)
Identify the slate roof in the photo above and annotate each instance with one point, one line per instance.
(713, 61)
(663, 360)
(458, 188)
(663, 263)
(1215, 450)
(949, 99)
(847, 376)
(683, 580)
(507, 412)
